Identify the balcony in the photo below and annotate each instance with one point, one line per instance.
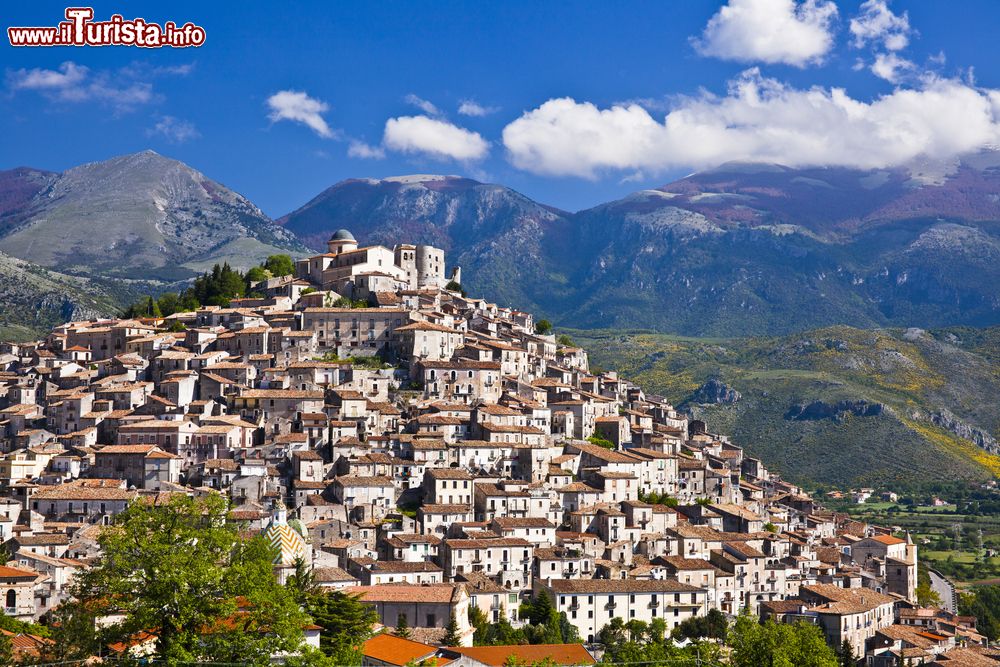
(575, 606)
(654, 604)
(611, 606)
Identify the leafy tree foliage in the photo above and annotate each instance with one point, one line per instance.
(180, 571)
(279, 265)
(214, 288)
(255, 275)
(219, 286)
(983, 602)
(544, 625)
(452, 637)
(543, 327)
(402, 626)
(658, 498)
(713, 625)
(344, 302)
(346, 621)
(641, 642)
(6, 650)
(778, 644)
(601, 442)
(846, 656)
(454, 286)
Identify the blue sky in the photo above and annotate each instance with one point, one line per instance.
(573, 98)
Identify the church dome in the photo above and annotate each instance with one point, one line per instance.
(288, 542)
(342, 235)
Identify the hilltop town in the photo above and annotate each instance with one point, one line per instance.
(430, 453)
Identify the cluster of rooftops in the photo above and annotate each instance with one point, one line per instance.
(428, 451)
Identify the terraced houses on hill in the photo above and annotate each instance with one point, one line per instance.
(429, 451)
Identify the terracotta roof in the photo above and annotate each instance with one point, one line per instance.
(282, 393)
(435, 593)
(497, 656)
(13, 573)
(354, 480)
(394, 650)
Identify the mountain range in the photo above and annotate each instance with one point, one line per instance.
(811, 291)
(137, 217)
(744, 249)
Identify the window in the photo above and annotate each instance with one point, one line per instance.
(11, 600)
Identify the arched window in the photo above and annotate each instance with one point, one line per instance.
(11, 600)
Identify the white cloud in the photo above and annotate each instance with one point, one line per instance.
(474, 108)
(360, 149)
(879, 26)
(298, 107)
(77, 83)
(69, 75)
(174, 129)
(891, 67)
(770, 31)
(434, 138)
(759, 119)
(422, 104)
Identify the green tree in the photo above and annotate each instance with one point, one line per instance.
(346, 621)
(614, 637)
(153, 308)
(6, 650)
(478, 620)
(255, 275)
(147, 307)
(218, 286)
(846, 656)
(280, 265)
(74, 635)
(564, 341)
(170, 303)
(983, 602)
(926, 595)
(451, 635)
(402, 626)
(713, 625)
(601, 442)
(778, 644)
(540, 608)
(178, 570)
(301, 581)
(543, 327)
(502, 633)
(454, 286)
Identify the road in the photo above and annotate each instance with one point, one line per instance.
(945, 590)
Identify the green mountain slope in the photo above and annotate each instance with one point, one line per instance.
(36, 299)
(836, 405)
(744, 249)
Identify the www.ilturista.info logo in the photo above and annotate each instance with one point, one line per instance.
(79, 29)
